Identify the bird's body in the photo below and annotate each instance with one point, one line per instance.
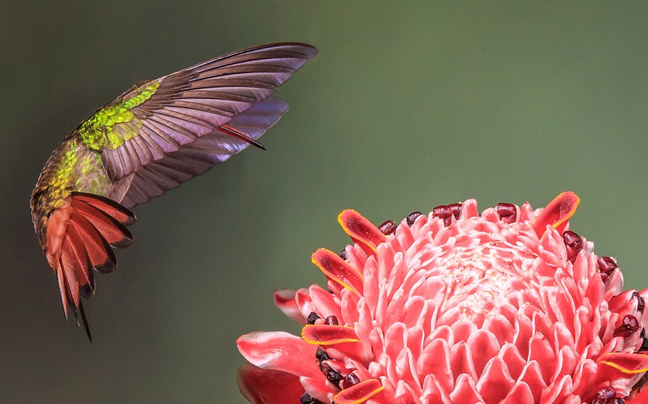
(155, 136)
(72, 167)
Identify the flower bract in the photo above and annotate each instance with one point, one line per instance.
(456, 307)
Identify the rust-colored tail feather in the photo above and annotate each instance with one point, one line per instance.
(80, 237)
(99, 252)
(112, 208)
(108, 219)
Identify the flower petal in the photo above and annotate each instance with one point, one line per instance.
(465, 391)
(279, 351)
(321, 334)
(338, 270)
(285, 300)
(263, 386)
(359, 393)
(557, 213)
(625, 364)
(495, 382)
(519, 394)
(360, 229)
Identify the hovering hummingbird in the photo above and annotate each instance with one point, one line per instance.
(155, 136)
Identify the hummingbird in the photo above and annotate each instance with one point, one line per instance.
(150, 139)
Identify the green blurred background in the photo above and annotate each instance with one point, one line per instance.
(407, 106)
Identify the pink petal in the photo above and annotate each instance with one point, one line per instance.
(462, 362)
(338, 270)
(495, 382)
(285, 301)
(465, 391)
(514, 361)
(359, 393)
(262, 386)
(532, 376)
(322, 334)
(541, 352)
(324, 302)
(519, 394)
(557, 213)
(316, 387)
(279, 351)
(621, 365)
(434, 360)
(483, 346)
(360, 229)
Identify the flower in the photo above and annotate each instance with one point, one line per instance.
(456, 307)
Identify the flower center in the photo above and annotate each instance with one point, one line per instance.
(478, 270)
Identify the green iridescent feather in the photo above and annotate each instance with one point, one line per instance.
(114, 124)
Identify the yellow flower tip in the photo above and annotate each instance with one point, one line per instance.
(323, 334)
(359, 393)
(338, 270)
(557, 213)
(360, 229)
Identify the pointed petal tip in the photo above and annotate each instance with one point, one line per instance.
(359, 393)
(322, 334)
(360, 229)
(557, 213)
(338, 270)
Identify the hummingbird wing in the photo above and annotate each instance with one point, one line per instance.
(193, 159)
(159, 117)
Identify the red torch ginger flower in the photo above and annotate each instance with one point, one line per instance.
(455, 307)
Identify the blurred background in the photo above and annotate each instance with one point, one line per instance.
(407, 106)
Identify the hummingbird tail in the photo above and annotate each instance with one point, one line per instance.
(84, 320)
(80, 238)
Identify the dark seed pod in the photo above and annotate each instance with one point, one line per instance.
(606, 267)
(308, 399)
(312, 317)
(388, 227)
(629, 325)
(507, 212)
(321, 354)
(641, 303)
(331, 320)
(605, 396)
(332, 375)
(411, 218)
(351, 379)
(443, 212)
(574, 245)
(455, 208)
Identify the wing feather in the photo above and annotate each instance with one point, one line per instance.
(179, 108)
(166, 142)
(193, 159)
